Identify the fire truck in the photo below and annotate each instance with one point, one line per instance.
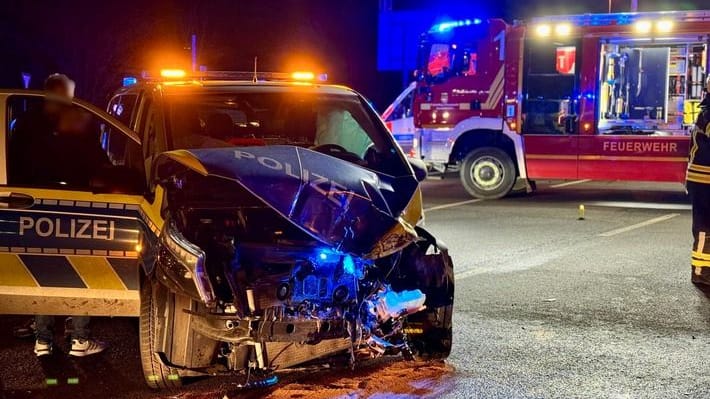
(593, 96)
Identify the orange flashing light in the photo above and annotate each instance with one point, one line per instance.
(173, 73)
(303, 75)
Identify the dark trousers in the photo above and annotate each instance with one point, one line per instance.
(700, 199)
(45, 325)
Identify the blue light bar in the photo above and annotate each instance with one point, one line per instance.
(624, 18)
(448, 25)
(129, 81)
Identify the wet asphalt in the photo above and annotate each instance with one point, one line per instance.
(549, 306)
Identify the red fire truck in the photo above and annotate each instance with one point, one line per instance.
(594, 96)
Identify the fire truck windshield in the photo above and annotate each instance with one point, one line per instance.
(450, 53)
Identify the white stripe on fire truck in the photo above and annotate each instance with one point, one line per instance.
(496, 93)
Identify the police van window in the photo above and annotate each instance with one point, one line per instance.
(114, 142)
(56, 144)
(123, 107)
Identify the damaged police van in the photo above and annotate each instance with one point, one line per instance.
(274, 225)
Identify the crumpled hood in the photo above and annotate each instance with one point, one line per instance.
(345, 206)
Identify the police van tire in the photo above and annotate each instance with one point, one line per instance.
(488, 173)
(155, 315)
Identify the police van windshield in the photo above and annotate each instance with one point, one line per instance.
(339, 125)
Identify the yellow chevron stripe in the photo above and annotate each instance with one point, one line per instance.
(14, 273)
(96, 272)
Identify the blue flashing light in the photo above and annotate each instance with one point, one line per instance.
(448, 25)
(348, 264)
(322, 255)
(129, 81)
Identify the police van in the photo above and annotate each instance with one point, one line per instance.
(251, 222)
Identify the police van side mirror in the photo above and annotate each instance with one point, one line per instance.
(419, 167)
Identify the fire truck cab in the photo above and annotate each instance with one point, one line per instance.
(594, 96)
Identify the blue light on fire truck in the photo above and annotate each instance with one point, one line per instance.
(448, 25)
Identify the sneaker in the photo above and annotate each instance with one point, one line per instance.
(43, 348)
(86, 347)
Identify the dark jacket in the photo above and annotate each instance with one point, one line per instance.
(699, 162)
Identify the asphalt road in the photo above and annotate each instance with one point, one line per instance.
(547, 306)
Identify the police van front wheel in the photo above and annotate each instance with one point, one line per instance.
(158, 319)
(488, 173)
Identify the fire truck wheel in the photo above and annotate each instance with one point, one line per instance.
(488, 173)
(158, 314)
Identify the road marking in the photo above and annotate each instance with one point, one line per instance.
(641, 205)
(453, 204)
(639, 225)
(570, 183)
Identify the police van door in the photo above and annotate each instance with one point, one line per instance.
(71, 189)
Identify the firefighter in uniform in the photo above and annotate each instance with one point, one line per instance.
(698, 184)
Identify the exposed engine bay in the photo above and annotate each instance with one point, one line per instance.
(272, 292)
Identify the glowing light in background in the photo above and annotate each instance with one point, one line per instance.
(543, 30)
(563, 29)
(642, 26)
(664, 26)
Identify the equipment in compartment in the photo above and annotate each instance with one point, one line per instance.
(651, 86)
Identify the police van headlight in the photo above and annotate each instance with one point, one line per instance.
(183, 265)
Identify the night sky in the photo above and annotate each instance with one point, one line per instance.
(98, 42)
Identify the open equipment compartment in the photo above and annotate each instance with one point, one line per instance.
(650, 86)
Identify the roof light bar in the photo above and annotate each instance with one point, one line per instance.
(173, 73)
(448, 25)
(129, 81)
(303, 75)
(179, 74)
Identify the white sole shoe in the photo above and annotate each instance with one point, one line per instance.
(43, 348)
(87, 347)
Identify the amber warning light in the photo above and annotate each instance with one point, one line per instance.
(173, 73)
